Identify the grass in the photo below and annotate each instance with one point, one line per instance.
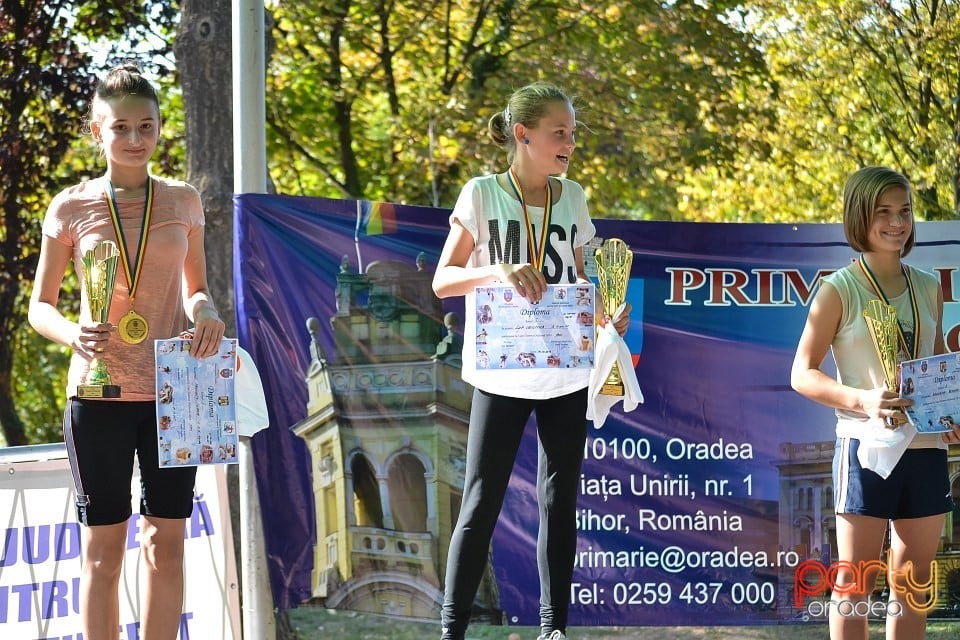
(316, 623)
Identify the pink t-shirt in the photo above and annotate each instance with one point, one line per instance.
(79, 217)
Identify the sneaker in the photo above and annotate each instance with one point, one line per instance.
(555, 635)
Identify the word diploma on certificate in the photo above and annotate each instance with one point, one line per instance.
(557, 332)
(933, 384)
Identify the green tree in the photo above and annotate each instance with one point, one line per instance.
(858, 82)
(665, 85)
(46, 80)
(390, 101)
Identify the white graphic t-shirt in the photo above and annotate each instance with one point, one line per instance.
(495, 220)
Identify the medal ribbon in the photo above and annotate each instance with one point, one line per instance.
(911, 349)
(537, 251)
(133, 277)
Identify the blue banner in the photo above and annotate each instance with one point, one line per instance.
(711, 503)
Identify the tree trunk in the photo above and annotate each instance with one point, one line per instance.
(203, 51)
(11, 316)
(13, 430)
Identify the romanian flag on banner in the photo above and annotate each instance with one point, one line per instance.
(375, 218)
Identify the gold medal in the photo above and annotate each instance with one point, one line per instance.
(133, 328)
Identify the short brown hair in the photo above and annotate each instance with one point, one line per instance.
(864, 187)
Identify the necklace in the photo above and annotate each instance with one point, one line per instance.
(133, 327)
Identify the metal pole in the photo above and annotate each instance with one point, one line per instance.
(249, 98)
(250, 176)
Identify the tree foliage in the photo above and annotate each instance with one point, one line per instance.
(46, 81)
(712, 110)
(858, 82)
(388, 100)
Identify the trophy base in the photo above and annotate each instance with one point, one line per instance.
(612, 389)
(894, 422)
(98, 391)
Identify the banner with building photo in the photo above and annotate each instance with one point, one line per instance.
(699, 507)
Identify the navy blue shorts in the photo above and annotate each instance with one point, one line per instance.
(919, 486)
(102, 438)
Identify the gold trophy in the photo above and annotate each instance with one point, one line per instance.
(614, 260)
(99, 274)
(881, 321)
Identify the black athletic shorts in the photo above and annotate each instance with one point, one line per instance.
(102, 438)
(919, 486)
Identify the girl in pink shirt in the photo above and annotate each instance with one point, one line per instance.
(160, 286)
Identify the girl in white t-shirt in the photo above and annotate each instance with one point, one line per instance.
(525, 228)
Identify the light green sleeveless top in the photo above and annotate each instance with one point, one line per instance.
(857, 363)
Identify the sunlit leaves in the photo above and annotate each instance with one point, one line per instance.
(658, 86)
(859, 82)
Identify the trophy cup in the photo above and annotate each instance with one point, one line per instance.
(99, 274)
(614, 260)
(881, 321)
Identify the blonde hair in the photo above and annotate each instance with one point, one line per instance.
(864, 187)
(526, 106)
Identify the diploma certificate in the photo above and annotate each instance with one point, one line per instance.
(557, 332)
(934, 386)
(196, 414)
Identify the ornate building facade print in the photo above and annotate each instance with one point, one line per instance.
(386, 427)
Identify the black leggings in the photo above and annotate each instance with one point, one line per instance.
(496, 428)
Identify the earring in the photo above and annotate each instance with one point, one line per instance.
(526, 141)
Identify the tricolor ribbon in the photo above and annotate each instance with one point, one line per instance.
(912, 350)
(133, 276)
(539, 250)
